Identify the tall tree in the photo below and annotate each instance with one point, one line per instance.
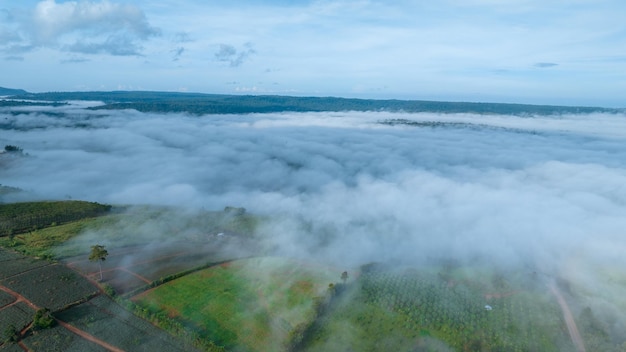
(98, 254)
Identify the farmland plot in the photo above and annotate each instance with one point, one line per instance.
(60, 339)
(12, 263)
(53, 286)
(18, 315)
(252, 304)
(130, 268)
(5, 299)
(107, 321)
(411, 309)
(11, 347)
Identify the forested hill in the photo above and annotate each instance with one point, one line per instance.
(196, 103)
(9, 91)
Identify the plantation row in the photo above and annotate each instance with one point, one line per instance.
(106, 320)
(24, 217)
(14, 264)
(5, 299)
(460, 315)
(18, 315)
(58, 339)
(51, 286)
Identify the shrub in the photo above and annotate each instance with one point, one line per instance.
(11, 334)
(43, 319)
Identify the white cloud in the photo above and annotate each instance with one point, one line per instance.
(446, 50)
(507, 187)
(84, 26)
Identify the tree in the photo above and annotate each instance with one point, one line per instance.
(344, 276)
(98, 254)
(13, 149)
(43, 319)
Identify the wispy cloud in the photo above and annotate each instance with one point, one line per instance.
(178, 52)
(231, 55)
(348, 48)
(545, 64)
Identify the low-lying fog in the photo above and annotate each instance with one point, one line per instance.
(343, 186)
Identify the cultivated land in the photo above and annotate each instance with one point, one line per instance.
(251, 304)
(200, 280)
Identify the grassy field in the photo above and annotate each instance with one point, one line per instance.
(251, 304)
(128, 226)
(246, 303)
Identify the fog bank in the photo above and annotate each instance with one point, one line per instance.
(345, 187)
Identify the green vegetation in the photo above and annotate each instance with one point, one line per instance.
(122, 227)
(11, 334)
(18, 218)
(107, 320)
(53, 285)
(43, 243)
(188, 284)
(59, 339)
(443, 309)
(252, 304)
(10, 91)
(43, 319)
(13, 149)
(14, 318)
(5, 190)
(196, 103)
(98, 254)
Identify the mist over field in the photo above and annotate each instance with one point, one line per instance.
(544, 193)
(343, 185)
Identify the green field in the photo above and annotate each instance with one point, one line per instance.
(252, 304)
(125, 226)
(202, 276)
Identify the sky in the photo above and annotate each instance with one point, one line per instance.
(521, 51)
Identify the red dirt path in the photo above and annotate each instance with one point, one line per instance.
(569, 319)
(88, 337)
(75, 330)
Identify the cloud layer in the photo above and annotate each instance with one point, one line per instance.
(545, 194)
(344, 187)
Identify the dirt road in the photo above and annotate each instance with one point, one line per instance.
(77, 331)
(569, 318)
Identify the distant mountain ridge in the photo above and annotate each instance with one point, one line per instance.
(9, 91)
(199, 104)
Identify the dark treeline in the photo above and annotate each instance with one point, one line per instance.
(196, 103)
(10, 91)
(17, 218)
(8, 103)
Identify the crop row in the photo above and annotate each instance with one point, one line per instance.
(458, 314)
(53, 286)
(5, 299)
(6, 255)
(60, 339)
(19, 315)
(19, 265)
(105, 320)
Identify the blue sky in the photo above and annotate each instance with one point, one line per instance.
(550, 52)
